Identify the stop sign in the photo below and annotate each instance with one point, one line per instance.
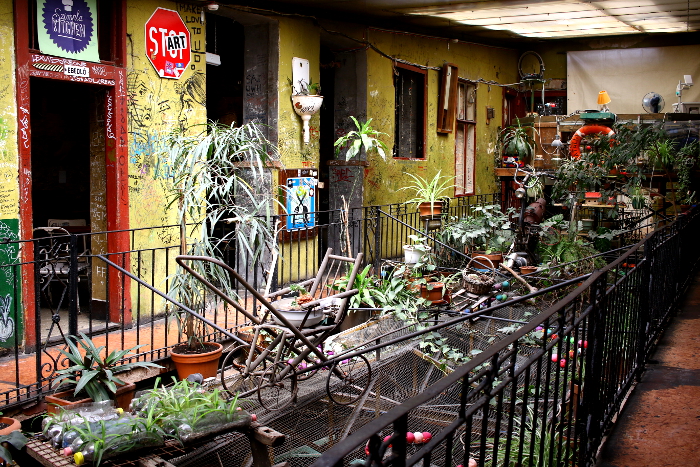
(167, 43)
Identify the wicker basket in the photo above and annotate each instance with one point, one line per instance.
(476, 282)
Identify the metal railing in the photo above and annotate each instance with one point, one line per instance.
(79, 292)
(547, 393)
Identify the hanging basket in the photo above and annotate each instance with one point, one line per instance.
(476, 282)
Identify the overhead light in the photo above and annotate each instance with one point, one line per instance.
(212, 6)
(603, 101)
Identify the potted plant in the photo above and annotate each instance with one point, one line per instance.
(219, 175)
(306, 100)
(414, 251)
(95, 374)
(516, 141)
(365, 137)
(428, 195)
(10, 435)
(488, 233)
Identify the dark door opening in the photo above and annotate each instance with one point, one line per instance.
(60, 119)
(226, 40)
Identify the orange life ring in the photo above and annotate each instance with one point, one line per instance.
(575, 143)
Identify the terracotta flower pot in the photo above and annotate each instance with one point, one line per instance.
(425, 209)
(207, 364)
(12, 425)
(528, 269)
(496, 259)
(434, 294)
(122, 398)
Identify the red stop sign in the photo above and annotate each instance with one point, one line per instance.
(167, 43)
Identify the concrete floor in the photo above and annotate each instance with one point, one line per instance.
(660, 423)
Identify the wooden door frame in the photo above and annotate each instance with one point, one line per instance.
(112, 77)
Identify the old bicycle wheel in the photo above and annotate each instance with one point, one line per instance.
(354, 382)
(275, 389)
(234, 377)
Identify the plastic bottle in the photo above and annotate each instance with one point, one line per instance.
(120, 426)
(117, 445)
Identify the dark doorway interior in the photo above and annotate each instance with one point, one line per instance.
(60, 122)
(225, 38)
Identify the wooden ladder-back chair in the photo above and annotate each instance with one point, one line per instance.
(292, 339)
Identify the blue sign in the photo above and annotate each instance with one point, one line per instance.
(301, 196)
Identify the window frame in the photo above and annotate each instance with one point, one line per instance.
(462, 121)
(421, 119)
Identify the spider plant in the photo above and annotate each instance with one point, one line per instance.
(428, 190)
(219, 175)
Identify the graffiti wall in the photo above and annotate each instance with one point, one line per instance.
(156, 107)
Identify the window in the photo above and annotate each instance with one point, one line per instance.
(410, 84)
(465, 138)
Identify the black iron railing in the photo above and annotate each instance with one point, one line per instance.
(76, 290)
(550, 403)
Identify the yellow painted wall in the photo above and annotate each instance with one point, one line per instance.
(297, 38)
(9, 188)
(157, 106)
(384, 179)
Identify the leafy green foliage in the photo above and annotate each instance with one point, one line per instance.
(217, 175)
(97, 375)
(516, 140)
(489, 229)
(428, 191)
(364, 137)
(17, 440)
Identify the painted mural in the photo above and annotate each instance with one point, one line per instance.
(11, 320)
(156, 107)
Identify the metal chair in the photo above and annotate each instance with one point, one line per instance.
(52, 253)
(283, 345)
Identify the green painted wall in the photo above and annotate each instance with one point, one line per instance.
(384, 179)
(10, 283)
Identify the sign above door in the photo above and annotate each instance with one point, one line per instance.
(68, 28)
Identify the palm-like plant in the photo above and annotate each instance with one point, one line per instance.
(97, 374)
(516, 140)
(218, 175)
(364, 137)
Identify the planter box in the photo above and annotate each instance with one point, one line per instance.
(65, 398)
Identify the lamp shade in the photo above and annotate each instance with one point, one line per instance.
(603, 98)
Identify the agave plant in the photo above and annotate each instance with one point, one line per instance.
(97, 374)
(220, 174)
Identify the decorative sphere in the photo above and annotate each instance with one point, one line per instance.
(427, 436)
(410, 439)
(497, 285)
(555, 357)
(505, 283)
(418, 436)
(562, 362)
(367, 448)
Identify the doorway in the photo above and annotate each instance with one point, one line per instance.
(67, 163)
(60, 144)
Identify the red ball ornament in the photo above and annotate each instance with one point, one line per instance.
(419, 437)
(555, 357)
(387, 438)
(410, 439)
(562, 362)
(367, 448)
(571, 354)
(427, 436)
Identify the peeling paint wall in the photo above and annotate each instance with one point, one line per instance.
(10, 292)
(384, 179)
(157, 106)
(297, 38)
